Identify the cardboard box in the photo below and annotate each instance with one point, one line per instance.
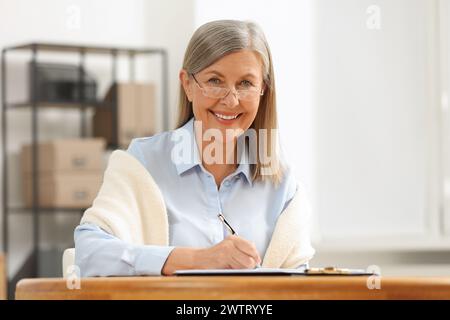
(64, 190)
(136, 113)
(66, 155)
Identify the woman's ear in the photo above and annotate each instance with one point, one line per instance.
(185, 82)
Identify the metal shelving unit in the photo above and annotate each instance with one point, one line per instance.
(30, 267)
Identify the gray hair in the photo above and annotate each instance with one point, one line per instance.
(211, 42)
(214, 39)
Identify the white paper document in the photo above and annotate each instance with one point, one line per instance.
(301, 271)
(256, 271)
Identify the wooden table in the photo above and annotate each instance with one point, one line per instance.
(236, 287)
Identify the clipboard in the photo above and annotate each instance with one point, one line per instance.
(333, 271)
(327, 271)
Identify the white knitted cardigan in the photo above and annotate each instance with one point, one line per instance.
(131, 207)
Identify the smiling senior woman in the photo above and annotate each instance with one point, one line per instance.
(227, 94)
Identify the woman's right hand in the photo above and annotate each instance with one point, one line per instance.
(231, 253)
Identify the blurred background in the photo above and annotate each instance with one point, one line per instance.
(362, 90)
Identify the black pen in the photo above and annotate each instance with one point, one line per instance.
(230, 228)
(225, 222)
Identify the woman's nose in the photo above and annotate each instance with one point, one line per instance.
(231, 99)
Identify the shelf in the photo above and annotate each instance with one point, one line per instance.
(53, 47)
(63, 104)
(46, 209)
(29, 265)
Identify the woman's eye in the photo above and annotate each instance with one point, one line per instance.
(246, 83)
(214, 81)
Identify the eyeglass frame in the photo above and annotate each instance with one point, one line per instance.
(228, 92)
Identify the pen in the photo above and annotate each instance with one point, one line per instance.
(225, 222)
(230, 228)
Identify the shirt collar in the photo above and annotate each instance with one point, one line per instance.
(192, 159)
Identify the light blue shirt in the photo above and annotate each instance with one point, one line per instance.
(193, 202)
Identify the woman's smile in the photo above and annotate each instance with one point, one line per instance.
(225, 118)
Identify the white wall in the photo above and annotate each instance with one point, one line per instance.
(444, 9)
(377, 134)
(137, 23)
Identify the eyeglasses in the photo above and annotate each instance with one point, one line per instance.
(217, 92)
